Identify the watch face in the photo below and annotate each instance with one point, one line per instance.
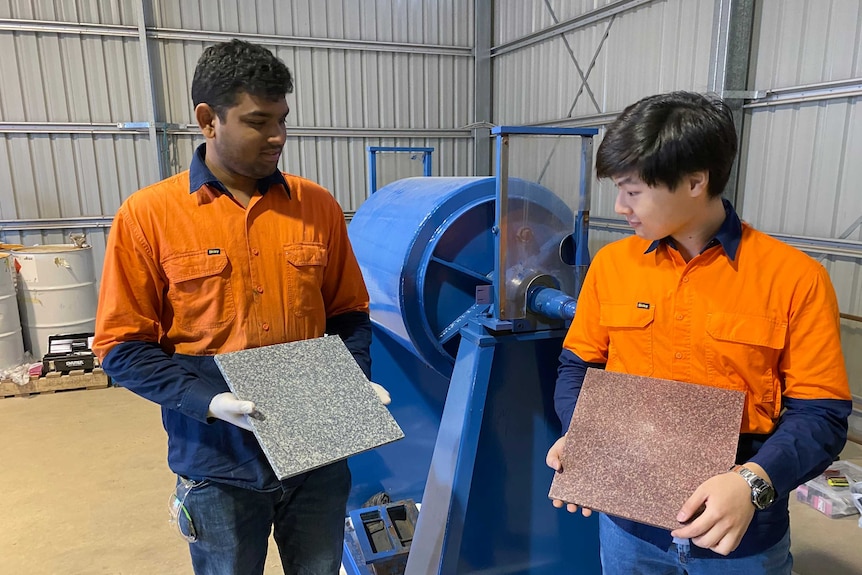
(762, 494)
(764, 497)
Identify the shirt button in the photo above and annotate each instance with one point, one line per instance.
(685, 280)
(259, 289)
(679, 316)
(265, 326)
(678, 355)
(255, 251)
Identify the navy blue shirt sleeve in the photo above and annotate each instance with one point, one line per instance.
(570, 378)
(354, 328)
(809, 436)
(144, 368)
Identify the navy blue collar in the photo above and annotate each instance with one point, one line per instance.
(728, 235)
(200, 175)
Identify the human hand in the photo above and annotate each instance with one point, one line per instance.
(727, 511)
(227, 407)
(381, 392)
(554, 461)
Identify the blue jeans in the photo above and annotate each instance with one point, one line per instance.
(624, 554)
(233, 525)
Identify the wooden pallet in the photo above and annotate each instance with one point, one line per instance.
(54, 381)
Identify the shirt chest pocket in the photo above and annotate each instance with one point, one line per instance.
(630, 347)
(305, 265)
(199, 290)
(743, 351)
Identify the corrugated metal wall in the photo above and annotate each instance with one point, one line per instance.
(650, 48)
(801, 162)
(62, 94)
(395, 73)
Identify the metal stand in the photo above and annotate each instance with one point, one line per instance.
(477, 513)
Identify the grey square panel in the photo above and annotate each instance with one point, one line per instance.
(638, 447)
(318, 406)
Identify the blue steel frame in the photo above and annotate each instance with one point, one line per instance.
(447, 505)
(351, 564)
(372, 161)
(444, 504)
(582, 217)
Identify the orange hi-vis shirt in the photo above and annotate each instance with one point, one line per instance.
(199, 274)
(765, 322)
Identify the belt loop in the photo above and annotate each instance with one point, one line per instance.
(683, 548)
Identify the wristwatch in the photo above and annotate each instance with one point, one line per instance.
(762, 493)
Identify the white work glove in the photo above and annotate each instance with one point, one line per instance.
(381, 392)
(227, 407)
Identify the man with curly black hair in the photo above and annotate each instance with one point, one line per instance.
(228, 255)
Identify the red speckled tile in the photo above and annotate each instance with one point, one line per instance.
(638, 447)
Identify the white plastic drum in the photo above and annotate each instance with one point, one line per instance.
(11, 344)
(7, 249)
(56, 293)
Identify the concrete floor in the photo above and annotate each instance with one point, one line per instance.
(86, 487)
(86, 490)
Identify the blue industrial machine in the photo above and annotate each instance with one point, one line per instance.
(472, 284)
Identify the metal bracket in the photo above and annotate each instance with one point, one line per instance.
(743, 94)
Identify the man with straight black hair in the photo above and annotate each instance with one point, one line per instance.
(228, 255)
(729, 307)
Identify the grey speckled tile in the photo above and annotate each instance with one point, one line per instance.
(317, 403)
(638, 447)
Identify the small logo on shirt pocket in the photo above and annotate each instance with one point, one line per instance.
(213, 252)
(643, 305)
